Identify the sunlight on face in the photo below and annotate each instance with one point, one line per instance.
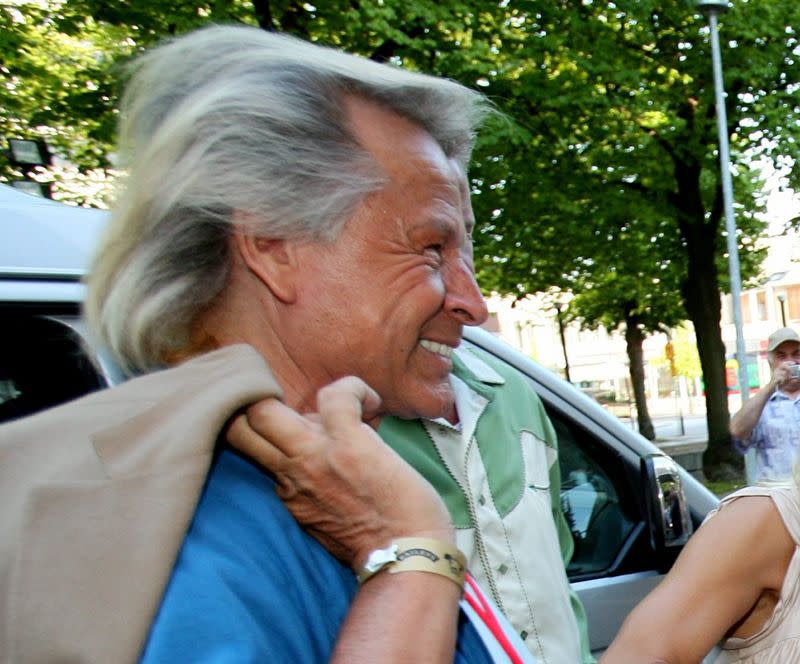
(389, 297)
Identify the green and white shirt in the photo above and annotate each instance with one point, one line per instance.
(497, 473)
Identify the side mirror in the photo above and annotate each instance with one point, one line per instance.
(670, 524)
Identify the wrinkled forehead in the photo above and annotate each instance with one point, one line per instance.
(416, 166)
(394, 140)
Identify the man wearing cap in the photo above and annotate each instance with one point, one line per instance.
(769, 422)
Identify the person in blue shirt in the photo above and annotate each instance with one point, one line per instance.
(303, 213)
(769, 422)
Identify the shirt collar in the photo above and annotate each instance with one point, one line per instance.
(778, 394)
(471, 380)
(473, 366)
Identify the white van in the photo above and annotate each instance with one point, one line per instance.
(631, 508)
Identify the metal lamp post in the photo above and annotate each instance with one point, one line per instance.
(712, 8)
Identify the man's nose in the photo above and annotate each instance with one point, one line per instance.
(463, 298)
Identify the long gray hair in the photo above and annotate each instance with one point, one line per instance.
(235, 118)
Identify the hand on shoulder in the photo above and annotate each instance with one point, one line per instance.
(341, 482)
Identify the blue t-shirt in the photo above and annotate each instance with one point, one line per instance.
(250, 585)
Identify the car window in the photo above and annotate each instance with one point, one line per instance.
(42, 364)
(603, 523)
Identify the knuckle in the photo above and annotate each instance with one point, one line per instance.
(260, 411)
(326, 391)
(236, 425)
(315, 467)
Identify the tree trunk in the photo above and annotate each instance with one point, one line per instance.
(633, 341)
(702, 299)
(562, 336)
(263, 14)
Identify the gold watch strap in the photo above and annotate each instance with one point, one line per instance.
(417, 554)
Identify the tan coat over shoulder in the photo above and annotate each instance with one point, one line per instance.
(95, 499)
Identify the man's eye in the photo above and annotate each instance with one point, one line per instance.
(435, 249)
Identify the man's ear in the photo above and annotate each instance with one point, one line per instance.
(272, 261)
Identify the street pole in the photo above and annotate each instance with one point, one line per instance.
(712, 8)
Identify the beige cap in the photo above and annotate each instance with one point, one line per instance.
(779, 336)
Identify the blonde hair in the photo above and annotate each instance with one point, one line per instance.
(235, 118)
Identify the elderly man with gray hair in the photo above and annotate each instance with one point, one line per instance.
(290, 260)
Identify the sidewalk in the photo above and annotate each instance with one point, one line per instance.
(687, 451)
(684, 437)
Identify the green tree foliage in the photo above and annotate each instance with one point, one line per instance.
(684, 353)
(687, 361)
(59, 86)
(622, 94)
(626, 282)
(602, 179)
(62, 67)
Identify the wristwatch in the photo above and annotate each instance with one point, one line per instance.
(416, 554)
(377, 560)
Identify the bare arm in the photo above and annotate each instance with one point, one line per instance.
(354, 494)
(400, 618)
(717, 580)
(743, 423)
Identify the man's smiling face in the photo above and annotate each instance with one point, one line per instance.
(389, 297)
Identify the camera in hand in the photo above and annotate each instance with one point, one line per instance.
(794, 371)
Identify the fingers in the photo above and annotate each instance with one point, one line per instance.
(243, 438)
(345, 404)
(333, 473)
(783, 373)
(270, 431)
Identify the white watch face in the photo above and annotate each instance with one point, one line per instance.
(380, 557)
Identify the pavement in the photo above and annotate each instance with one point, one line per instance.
(683, 437)
(676, 428)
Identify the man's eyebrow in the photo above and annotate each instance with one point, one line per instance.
(436, 223)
